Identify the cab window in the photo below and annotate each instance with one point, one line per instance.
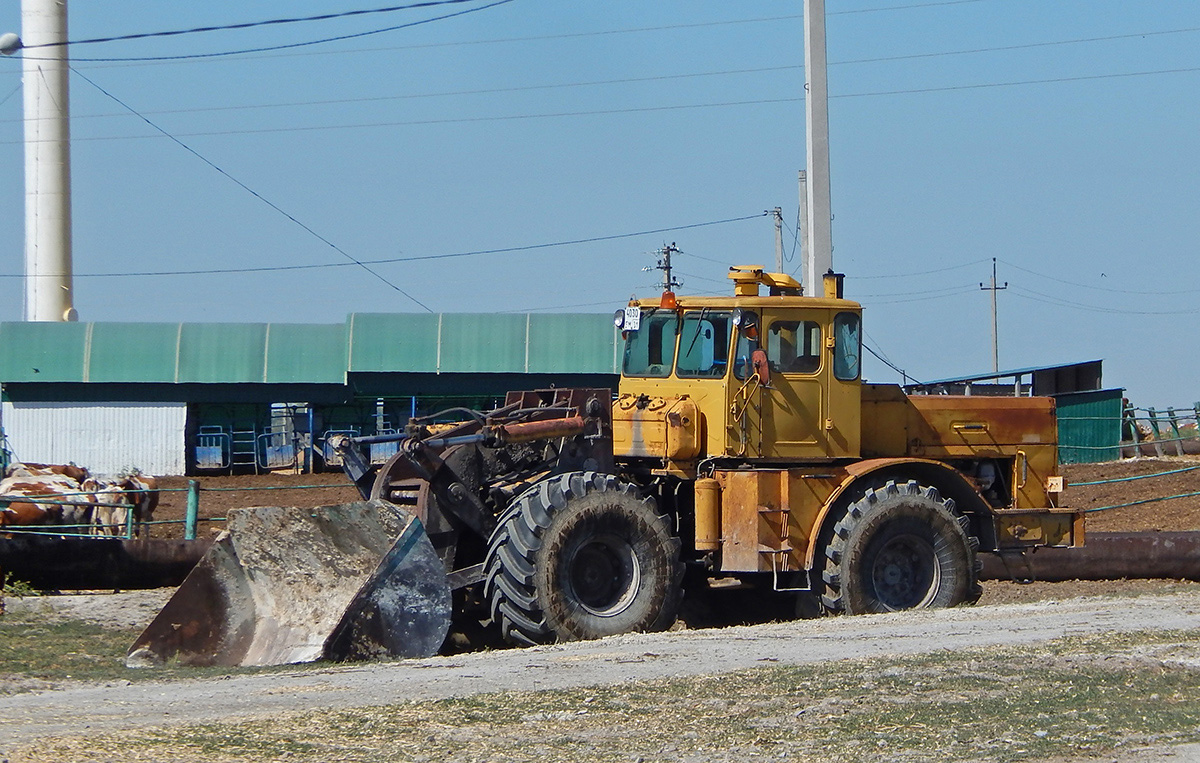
(794, 347)
(703, 344)
(747, 343)
(847, 347)
(650, 351)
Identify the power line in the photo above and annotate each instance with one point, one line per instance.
(1015, 83)
(289, 46)
(1057, 301)
(250, 24)
(633, 110)
(636, 80)
(923, 272)
(1156, 292)
(890, 364)
(881, 9)
(3, 100)
(452, 93)
(256, 194)
(416, 258)
(912, 6)
(923, 298)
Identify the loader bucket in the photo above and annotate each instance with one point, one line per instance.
(284, 585)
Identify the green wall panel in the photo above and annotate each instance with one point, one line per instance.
(473, 342)
(42, 352)
(132, 352)
(576, 343)
(306, 353)
(393, 342)
(1089, 426)
(222, 352)
(282, 353)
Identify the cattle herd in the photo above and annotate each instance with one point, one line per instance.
(71, 499)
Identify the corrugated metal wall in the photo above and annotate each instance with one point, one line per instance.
(1089, 426)
(104, 437)
(282, 353)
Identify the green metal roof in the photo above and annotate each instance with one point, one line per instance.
(306, 353)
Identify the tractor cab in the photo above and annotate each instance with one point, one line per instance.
(772, 377)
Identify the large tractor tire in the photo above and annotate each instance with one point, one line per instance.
(582, 556)
(900, 546)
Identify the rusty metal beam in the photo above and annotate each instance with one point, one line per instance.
(1106, 556)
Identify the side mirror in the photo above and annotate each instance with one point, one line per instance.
(758, 361)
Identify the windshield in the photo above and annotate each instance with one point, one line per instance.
(650, 351)
(703, 344)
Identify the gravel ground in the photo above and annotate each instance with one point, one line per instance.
(617, 660)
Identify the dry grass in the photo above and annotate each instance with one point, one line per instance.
(1073, 697)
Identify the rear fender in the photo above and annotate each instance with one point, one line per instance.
(874, 472)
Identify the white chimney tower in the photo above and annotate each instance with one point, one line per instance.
(48, 283)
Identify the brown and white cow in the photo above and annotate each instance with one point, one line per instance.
(109, 511)
(141, 490)
(70, 471)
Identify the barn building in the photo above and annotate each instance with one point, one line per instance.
(176, 398)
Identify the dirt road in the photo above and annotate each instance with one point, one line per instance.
(612, 661)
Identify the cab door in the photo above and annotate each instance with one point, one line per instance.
(795, 403)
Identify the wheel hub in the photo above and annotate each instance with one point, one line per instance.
(905, 572)
(604, 575)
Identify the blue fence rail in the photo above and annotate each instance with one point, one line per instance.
(190, 522)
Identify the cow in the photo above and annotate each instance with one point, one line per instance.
(142, 492)
(70, 471)
(110, 510)
(41, 494)
(21, 505)
(51, 494)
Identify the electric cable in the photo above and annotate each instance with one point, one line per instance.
(293, 45)
(922, 298)
(415, 258)
(15, 90)
(1155, 293)
(923, 272)
(1050, 299)
(250, 24)
(635, 110)
(256, 194)
(891, 365)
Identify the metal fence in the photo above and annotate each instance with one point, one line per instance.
(1160, 431)
(1094, 434)
(133, 528)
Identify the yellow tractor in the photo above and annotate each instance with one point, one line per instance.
(741, 445)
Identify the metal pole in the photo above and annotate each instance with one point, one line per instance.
(193, 510)
(803, 232)
(48, 282)
(995, 334)
(816, 111)
(778, 212)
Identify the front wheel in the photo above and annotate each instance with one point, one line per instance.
(582, 556)
(900, 546)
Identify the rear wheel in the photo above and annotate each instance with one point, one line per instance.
(582, 556)
(900, 546)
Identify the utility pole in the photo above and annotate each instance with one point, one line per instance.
(778, 213)
(48, 282)
(995, 335)
(664, 264)
(818, 252)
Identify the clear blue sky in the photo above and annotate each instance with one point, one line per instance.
(537, 122)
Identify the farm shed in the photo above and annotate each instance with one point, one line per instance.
(170, 398)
